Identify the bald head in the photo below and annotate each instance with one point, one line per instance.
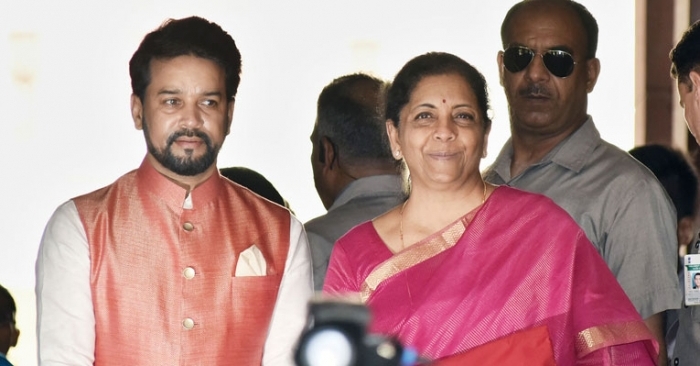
(588, 24)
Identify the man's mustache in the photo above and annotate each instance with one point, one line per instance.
(189, 133)
(534, 90)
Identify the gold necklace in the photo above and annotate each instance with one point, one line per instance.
(403, 246)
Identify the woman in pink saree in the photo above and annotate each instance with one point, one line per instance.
(467, 271)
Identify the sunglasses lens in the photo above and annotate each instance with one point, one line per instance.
(516, 59)
(559, 63)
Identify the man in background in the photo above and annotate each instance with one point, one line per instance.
(355, 175)
(172, 264)
(678, 177)
(256, 182)
(547, 68)
(8, 332)
(685, 68)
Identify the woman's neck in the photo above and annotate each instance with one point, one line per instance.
(430, 210)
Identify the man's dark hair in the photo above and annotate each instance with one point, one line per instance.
(590, 25)
(675, 172)
(433, 64)
(349, 114)
(191, 36)
(8, 309)
(685, 57)
(254, 181)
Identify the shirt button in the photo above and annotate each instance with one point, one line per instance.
(188, 226)
(189, 273)
(188, 323)
(676, 362)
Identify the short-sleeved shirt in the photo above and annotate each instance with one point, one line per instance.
(362, 200)
(618, 202)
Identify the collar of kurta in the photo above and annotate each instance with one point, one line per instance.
(173, 195)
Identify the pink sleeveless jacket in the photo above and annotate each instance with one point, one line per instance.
(162, 277)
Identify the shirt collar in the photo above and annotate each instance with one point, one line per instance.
(572, 153)
(376, 185)
(173, 195)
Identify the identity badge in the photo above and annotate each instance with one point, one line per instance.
(691, 277)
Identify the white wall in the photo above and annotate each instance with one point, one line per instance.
(64, 93)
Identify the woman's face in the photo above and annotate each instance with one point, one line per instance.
(440, 135)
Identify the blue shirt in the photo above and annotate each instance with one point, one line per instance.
(4, 361)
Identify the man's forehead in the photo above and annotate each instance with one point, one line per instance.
(186, 60)
(546, 21)
(170, 73)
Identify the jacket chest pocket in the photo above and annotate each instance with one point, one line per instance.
(255, 296)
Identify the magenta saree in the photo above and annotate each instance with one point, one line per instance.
(517, 262)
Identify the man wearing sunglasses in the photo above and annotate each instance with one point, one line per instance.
(685, 68)
(547, 68)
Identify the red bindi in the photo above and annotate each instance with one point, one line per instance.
(444, 101)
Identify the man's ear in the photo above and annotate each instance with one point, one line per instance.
(14, 337)
(694, 77)
(137, 111)
(592, 72)
(499, 60)
(326, 153)
(229, 115)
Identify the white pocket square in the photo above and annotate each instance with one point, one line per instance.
(251, 263)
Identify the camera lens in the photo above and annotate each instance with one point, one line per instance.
(328, 347)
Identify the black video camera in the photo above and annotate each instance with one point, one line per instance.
(338, 337)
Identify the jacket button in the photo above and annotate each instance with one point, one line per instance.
(189, 273)
(188, 226)
(188, 323)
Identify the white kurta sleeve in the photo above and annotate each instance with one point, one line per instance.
(296, 289)
(65, 317)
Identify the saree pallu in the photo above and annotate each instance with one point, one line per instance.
(517, 262)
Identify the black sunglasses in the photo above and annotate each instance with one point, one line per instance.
(559, 63)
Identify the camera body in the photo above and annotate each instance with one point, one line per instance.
(338, 337)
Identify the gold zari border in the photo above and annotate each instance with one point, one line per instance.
(413, 255)
(595, 338)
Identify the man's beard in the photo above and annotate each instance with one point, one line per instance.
(187, 165)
